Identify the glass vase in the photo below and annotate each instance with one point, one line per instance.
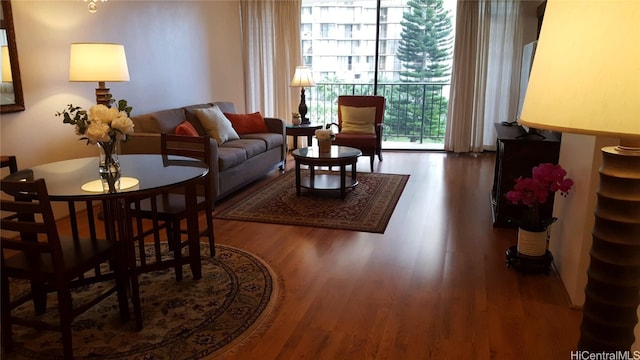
(109, 167)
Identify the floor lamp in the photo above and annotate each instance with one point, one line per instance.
(586, 79)
(98, 62)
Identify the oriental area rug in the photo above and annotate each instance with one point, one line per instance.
(368, 207)
(201, 319)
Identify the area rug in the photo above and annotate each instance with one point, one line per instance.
(368, 207)
(201, 319)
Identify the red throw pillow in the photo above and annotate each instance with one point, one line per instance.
(186, 129)
(247, 123)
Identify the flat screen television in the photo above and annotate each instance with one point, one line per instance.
(528, 52)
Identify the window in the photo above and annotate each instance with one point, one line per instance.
(324, 30)
(348, 31)
(383, 14)
(306, 10)
(305, 30)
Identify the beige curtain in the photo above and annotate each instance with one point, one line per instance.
(486, 70)
(271, 51)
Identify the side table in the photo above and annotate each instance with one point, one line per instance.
(307, 130)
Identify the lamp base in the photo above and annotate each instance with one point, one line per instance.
(102, 95)
(305, 121)
(613, 286)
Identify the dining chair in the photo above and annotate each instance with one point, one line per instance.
(33, 250)
(360, 124)
(169, 209)
(10, 162)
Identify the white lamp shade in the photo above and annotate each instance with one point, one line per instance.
(6, 65)
(586, 71)
(302, 77)
(98, 62)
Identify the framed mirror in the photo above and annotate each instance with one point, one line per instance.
(11, 99)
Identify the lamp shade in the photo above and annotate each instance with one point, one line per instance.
(302, 77)
(98, 62)
(586, 74)
(6, 65)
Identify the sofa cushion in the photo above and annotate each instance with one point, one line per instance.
(216, 124)
(248, 123)
(359, 120)
(164, 121)
(229, 157)
(189, 112)
(271, 139)
(186, 129)
(251, 147)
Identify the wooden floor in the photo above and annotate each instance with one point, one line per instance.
(433, 286)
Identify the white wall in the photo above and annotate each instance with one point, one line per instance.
(178, 52)
(571, 236)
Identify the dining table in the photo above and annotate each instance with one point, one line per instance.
(142, 176)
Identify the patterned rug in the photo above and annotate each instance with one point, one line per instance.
(367, 208)
(202, 319)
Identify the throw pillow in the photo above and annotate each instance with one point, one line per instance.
(248, 123)
(358, 120)
(216, 124)
(186, 129)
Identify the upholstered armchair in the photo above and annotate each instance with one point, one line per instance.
(360, 124)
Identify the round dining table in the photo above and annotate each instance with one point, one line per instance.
(143, 176)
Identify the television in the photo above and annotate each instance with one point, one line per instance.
(528, 52)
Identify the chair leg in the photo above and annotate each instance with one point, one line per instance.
(6, 327)
(175, 242)
(66, 317)
(39, 291)
(211, 234)
(372, 158)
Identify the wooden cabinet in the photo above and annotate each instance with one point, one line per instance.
(517, 153)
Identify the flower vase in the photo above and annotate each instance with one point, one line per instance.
(532, 243)
(324, 145)
(109, 167)
(296, 121)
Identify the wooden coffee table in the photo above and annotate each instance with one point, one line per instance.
(340, 156)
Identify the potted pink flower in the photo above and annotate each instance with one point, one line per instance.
(532, 192)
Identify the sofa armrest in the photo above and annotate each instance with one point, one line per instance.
(141, 143)
(275, 125)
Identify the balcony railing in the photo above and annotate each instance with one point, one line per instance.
(415, 115)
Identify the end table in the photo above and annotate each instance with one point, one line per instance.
(307, 130)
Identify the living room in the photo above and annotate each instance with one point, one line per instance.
(187, 52)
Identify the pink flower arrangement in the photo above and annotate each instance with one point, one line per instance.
(532, 192)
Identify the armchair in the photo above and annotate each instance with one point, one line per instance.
(360, 124)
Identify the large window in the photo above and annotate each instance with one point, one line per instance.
(353, 52)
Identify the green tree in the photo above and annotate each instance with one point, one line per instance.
(425, 50)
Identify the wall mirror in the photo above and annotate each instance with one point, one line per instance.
(11, 99)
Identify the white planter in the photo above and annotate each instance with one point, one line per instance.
(532, 243)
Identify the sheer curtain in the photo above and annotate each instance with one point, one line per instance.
(271, 51)
(486, 71)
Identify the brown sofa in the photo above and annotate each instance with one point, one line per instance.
(234, 164)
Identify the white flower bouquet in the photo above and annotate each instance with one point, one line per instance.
(100, 124)
(325, 134)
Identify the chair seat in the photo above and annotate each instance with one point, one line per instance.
(364, 142)
(76, 256)
(167, 205)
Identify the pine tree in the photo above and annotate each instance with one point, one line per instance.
(425, 50)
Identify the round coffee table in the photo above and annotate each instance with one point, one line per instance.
(340, 156)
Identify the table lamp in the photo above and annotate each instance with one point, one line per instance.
(586, 79)
(6, 65)
(302, 78)
(99, 62)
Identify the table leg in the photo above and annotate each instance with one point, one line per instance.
(297, 167)
(312, 176)
(353, 172)
(295, 142)
(309, 140)
(343, 180)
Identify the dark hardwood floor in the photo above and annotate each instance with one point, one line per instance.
(433, 286)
